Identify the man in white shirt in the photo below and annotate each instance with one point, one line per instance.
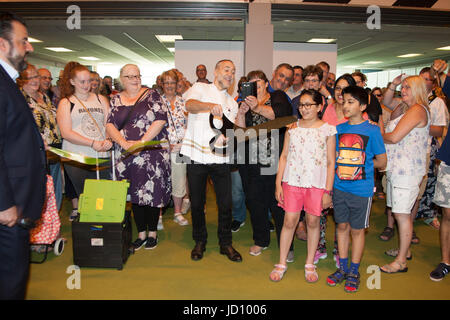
(201, 101)
(439, 120)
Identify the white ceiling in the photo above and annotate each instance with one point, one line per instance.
(132, 40)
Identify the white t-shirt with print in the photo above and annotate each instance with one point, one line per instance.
(439, 116)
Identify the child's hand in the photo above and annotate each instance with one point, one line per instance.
(327, 202)
(279, 194)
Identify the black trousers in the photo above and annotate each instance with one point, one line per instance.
(260, 198)
(79, 172)
(14, 262)
(220, 174)
(146, 217)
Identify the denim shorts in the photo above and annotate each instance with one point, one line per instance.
(352, 209)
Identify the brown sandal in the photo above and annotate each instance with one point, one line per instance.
(387, 234)
(388, 268)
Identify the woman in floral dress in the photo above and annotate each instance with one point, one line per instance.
(148, 170)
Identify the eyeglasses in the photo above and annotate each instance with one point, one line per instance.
(31, 78)
(306, 106)
(138, 77)
(46, 78)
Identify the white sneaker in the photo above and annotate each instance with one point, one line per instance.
(160, 224)
(290, 256)
(185, 206)
(73, 215)
(178, 218)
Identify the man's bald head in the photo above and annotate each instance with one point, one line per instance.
(45, 78)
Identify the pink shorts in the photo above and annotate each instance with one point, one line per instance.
(296, 198)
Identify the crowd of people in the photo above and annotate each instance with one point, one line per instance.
(344, 142)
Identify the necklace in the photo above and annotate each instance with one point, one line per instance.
(79, 98)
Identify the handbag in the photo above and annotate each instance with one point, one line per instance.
(47, 228)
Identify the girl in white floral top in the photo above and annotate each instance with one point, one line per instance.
(305, 179)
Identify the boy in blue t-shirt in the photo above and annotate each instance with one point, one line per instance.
(359, 149)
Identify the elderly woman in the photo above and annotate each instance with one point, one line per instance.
(177, 126)
(139, 115)
(45, 116)
(81, 117)
(406, 141)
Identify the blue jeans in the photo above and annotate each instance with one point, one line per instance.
(55, 172)
(237, 194)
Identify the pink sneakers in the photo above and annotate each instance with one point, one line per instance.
(319, 256)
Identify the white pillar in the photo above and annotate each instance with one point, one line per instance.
(259, 39)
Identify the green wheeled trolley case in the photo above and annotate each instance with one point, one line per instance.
(102, 234)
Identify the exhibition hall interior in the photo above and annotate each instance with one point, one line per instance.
(382, 39)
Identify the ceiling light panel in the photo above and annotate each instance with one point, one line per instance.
(58, 49)
(168, 38)
(409, 55)
(321, 40)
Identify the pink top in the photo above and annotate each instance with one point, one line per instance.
(330, 116)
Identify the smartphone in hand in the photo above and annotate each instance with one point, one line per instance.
(248, 89)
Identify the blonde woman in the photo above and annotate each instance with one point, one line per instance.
(406, 141)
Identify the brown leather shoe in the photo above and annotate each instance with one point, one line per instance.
(231, 253)
(197, 252)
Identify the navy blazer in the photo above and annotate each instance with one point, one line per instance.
(22, 153)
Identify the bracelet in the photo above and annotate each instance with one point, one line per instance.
(328, 192)
(391, 88)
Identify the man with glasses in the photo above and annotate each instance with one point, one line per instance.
(201, 73)
(312, 79)
(45, 84)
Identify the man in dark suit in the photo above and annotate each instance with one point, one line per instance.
(22, 161)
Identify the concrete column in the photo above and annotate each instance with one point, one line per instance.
(258, 53)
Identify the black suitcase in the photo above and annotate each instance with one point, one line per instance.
(102, 245)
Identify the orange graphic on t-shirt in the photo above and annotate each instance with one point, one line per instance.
(350, 162)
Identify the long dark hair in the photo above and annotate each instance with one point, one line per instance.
(347, 77)
(316, 97)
